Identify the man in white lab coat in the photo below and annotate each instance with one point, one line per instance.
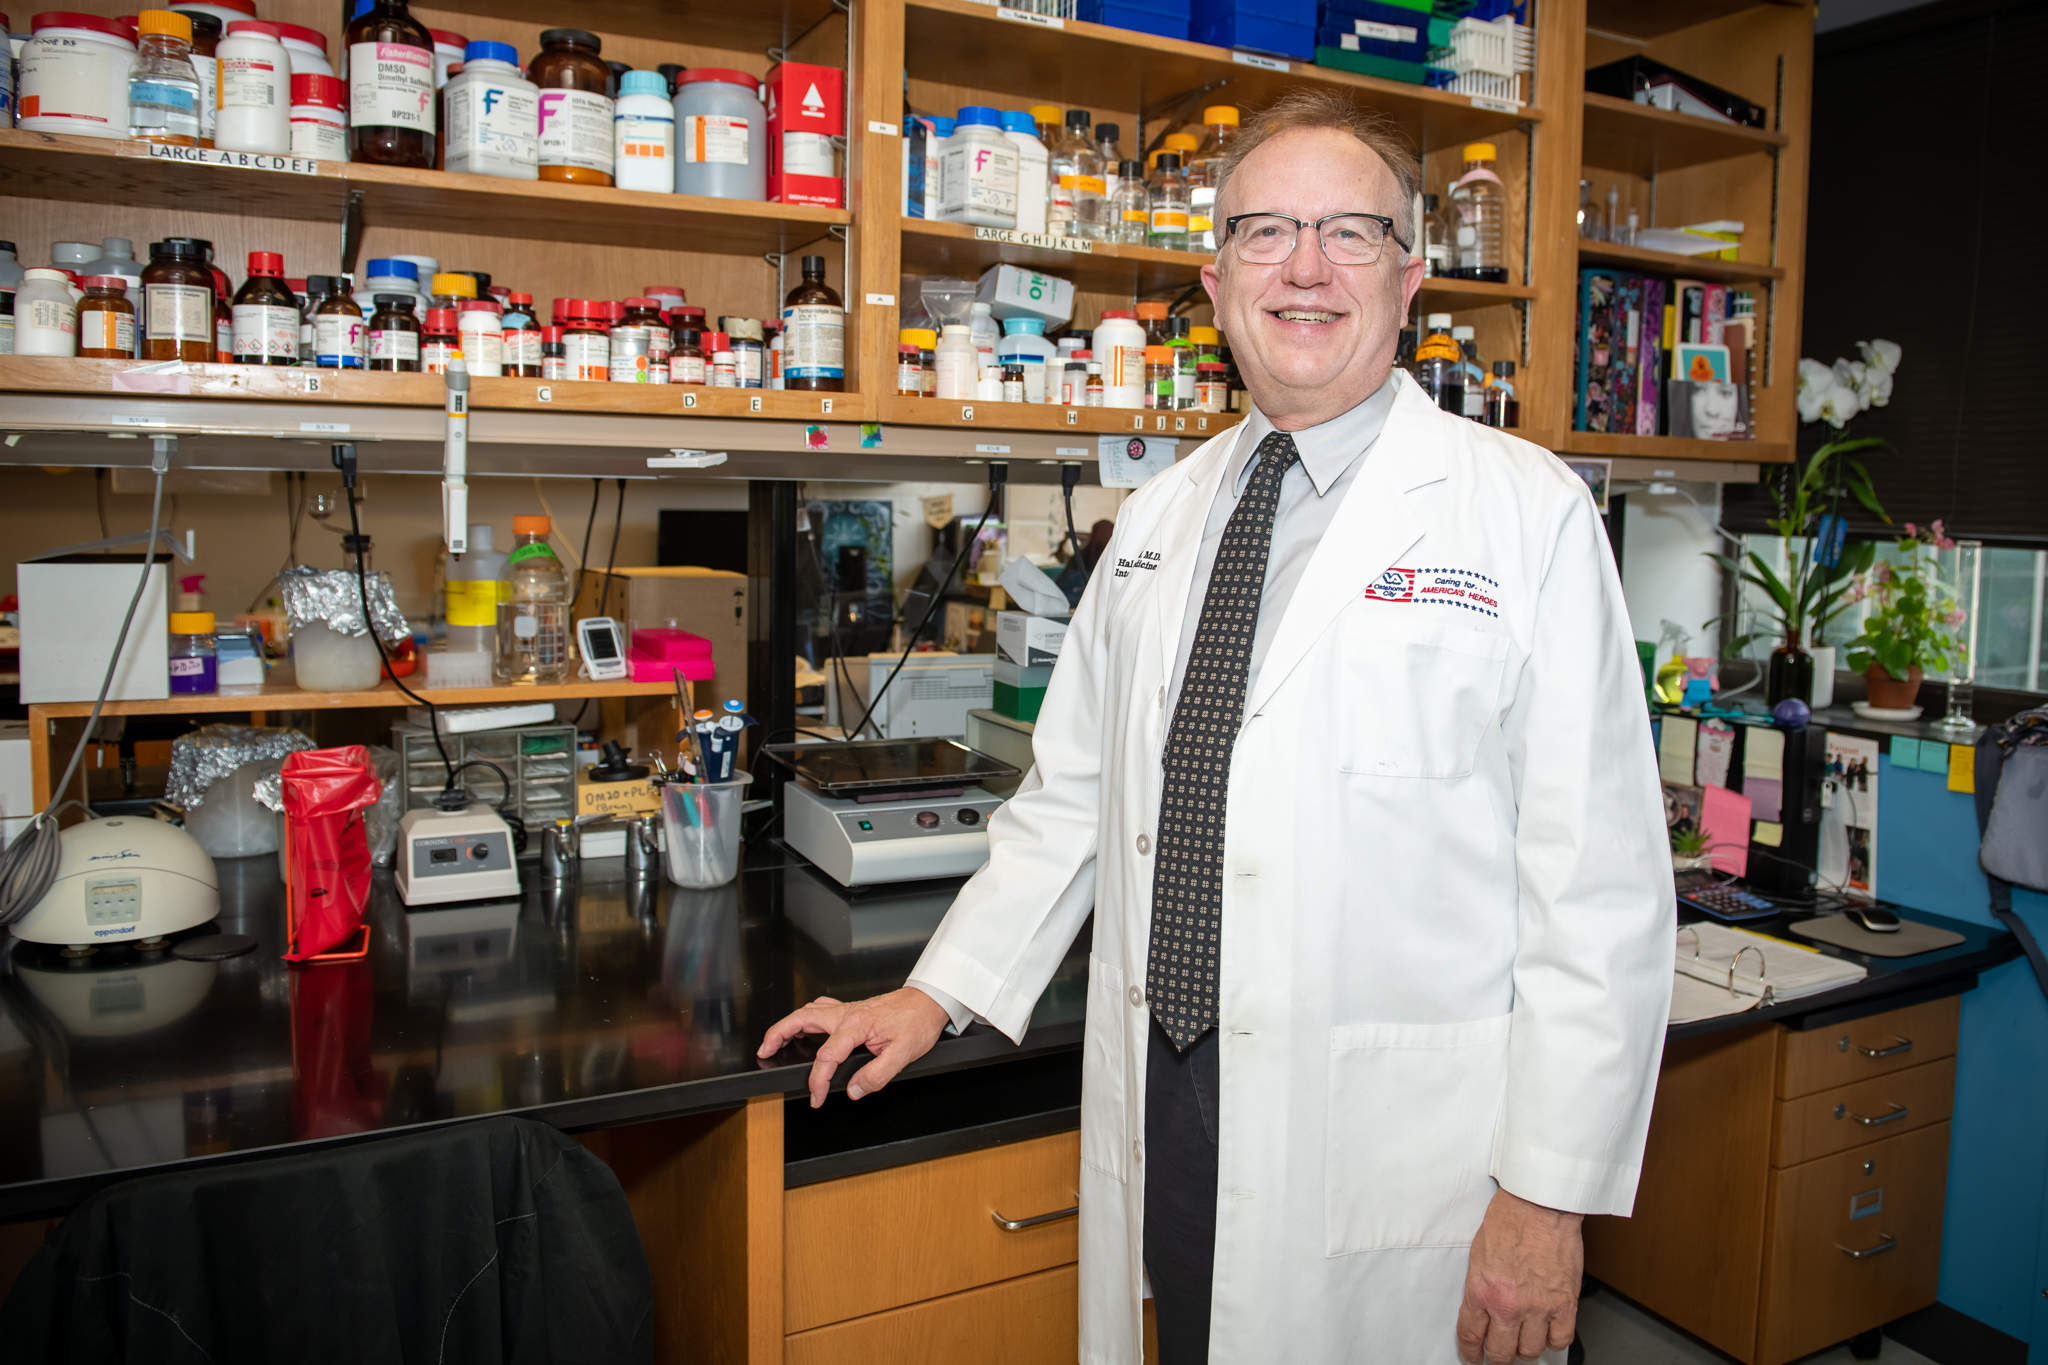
(1346, 750)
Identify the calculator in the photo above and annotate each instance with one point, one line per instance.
(1726, 903)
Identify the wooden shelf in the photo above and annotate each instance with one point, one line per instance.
(293, 384)
(271, 697)
(1671, 263)
(959, 42)
(1615, 445)
(1472, 293)
(1621, 135)
(108, 171)
(1140, 271)
(753, 27)
(1652, 18)
(997, 418)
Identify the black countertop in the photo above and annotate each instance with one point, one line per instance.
(598, 1004)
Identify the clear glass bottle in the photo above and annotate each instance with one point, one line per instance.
(1437, 254)
(1503, 409)
(1112, 167)
(1479, 202)
(1473, 370)
(1130, 209)
(1169, 222)
(1078, 206)
(195, 666)
(163, 86)
(533, 616)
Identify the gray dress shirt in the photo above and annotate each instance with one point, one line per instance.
(1309, 496)
(1330, 458)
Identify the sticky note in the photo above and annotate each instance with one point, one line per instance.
(1675, 749)
(1933, 756)
(1724, 817)
(1769, 833)
(1905, 753)
(1962, 768)
(1716, 745)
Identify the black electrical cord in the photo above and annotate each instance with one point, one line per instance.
(831, 626)
(504, 807)
(1070, 475)
(583, 560)
(604, 598)
(998, 478)
(345, 460)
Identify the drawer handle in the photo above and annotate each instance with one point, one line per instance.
(1899, 1111)
(1019, 1224)
(1898, 1045)
(1886, 1245)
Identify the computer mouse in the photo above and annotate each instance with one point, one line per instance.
(1875, 920)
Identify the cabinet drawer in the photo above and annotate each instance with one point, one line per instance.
(1877, 1045)
(1882, 1200)
(1831, 1121)
(878, 1241)
(1031, 1320)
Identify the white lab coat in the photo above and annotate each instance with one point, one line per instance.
(1447, 908)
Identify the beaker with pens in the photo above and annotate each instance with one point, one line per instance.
(701, 824)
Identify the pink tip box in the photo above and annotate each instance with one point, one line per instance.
(656, 653)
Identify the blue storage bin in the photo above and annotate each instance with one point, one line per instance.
(1255, 33)
(1302, 12)
(1335, 11)
(1139, 20)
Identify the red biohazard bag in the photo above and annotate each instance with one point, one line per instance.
(327, 854)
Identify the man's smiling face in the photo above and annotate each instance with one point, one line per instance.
(1312, 339)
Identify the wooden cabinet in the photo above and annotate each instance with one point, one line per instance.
(910, 1265)
(1793, 1184)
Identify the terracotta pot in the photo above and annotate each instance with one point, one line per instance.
(1891, 694)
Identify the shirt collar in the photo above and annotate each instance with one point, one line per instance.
(1327, 450)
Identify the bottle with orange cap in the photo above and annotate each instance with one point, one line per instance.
(1205, 173)
(163, 85)
(1479, 218)
(533, 610)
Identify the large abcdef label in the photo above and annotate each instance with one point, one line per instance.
(391, 85)
(715, 138)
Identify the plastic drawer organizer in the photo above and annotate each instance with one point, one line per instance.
(540, 760)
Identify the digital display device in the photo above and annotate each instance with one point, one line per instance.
(603, 646)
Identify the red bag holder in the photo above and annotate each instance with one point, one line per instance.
(327, 853)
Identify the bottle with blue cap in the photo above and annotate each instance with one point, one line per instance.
(493, 115)
(388, 275)
(978, 171)
(1024, 344)
(1034, 164)
(644, 134)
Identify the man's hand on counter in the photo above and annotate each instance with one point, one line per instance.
(898, 1028)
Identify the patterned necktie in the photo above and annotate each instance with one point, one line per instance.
(1187, 880)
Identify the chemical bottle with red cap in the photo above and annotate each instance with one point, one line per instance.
(265, 325)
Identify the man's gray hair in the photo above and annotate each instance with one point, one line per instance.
(1312, 108)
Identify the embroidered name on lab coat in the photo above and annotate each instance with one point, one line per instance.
(1464, 589)
(1147, 559)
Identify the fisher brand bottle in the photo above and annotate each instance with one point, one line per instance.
(575, 112)
(814, 332)
(390, 87)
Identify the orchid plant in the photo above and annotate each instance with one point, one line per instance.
(1811, 593)
(1913, 621)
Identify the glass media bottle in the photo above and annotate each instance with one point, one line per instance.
(533, 617)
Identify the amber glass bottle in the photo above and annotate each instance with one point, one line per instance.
(576, 128)
(177, 302)
(390, 87)
(814, 334)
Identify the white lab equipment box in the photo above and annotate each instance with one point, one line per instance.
(71, 610)
(17, 781)
(931, 696)
(1029, 641)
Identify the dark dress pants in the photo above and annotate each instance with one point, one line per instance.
(1181, 1090)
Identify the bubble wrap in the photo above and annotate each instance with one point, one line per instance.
(333, 598)
(208, 754)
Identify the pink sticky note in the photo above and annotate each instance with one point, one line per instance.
(1724, 816)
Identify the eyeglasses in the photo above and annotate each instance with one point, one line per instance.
(1346, 238)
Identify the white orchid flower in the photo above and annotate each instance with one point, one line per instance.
(1876, 388)
(1882, 353)
(1849, 373)
(1838, 405)
(1814, 378)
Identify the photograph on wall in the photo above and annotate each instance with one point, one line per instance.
(1596, 473)
(1848, 817)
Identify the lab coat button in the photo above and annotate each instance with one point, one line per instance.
(1137, 1150)
(1137, 998)
(1144, 844)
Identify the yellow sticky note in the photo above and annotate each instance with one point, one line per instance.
(1962, 768)
(1769, 833)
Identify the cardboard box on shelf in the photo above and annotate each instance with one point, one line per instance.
(1028, 641)
(803, 99)
(71, 610)
(1014, 292)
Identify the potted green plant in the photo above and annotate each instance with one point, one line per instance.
(1808, 497)
(1914, 623)
(1689, 849)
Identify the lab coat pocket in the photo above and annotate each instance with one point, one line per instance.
(1417, 694)
(1409, 1135)
(1102, 1070)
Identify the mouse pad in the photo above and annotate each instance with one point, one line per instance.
(1912, 938)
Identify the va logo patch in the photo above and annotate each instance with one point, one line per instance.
(1395, 585)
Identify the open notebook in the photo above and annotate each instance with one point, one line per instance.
(1724, 970)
